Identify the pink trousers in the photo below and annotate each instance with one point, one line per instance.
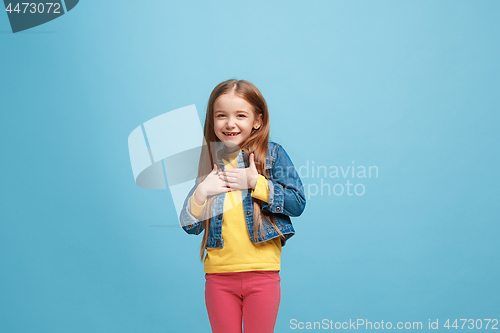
(249, 297)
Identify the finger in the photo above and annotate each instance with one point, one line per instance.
(252, 158)
(234, 184)
(223, 183)
(227, 182)
(234, 187)
(225, 189)
(232, 171)
(231, 179)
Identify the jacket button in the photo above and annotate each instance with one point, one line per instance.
(248, 212)
(217, 243)
(278, 208)
(220, 216)
(190, 225)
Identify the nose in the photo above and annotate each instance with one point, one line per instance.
(230, 123)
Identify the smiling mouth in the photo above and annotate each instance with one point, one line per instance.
(231, 134)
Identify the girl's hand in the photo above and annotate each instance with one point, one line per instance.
(212, 185)
(241, 179)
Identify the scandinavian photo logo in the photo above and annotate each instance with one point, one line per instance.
(26, 15)
(329, 180)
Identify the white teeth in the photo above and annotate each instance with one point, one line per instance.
(231, 134)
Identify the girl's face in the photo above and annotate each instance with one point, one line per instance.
(234, 120)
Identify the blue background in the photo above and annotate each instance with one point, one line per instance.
(408, 86)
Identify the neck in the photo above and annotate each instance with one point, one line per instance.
(231, 150)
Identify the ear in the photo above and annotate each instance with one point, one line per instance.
(258, 122)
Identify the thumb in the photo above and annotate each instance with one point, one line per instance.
(214, 170)
(252, 159)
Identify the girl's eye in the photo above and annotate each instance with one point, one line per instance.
(242, 115)
(220, 115)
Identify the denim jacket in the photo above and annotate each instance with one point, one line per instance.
(286, 198)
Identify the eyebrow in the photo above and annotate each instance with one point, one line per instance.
(244, 111)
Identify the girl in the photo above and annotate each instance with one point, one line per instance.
(247, 189)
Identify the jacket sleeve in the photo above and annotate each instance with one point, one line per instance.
(190, 223)
(286, 192)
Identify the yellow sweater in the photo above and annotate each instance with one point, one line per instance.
(239, 254)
